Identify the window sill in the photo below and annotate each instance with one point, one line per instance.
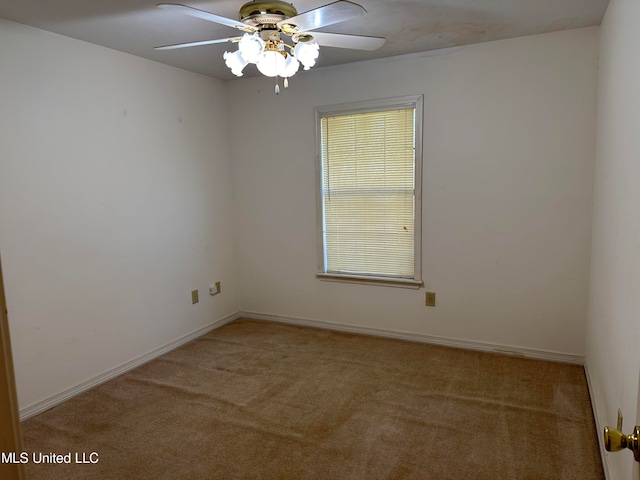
(364, 279)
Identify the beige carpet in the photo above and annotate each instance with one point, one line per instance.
(258, 400)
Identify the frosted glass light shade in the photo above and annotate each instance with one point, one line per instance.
(251, 47)
(291, 66)
(307, 53)
(235, 62)
(271, 56)
(271, 64)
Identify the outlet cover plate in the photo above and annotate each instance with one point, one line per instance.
(430, 299)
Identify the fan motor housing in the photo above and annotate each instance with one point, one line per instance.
(266, 13)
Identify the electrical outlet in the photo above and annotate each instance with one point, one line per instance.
(430, 299)
(194, 296)
(214, 289)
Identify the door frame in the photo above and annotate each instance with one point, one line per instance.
(10, 441)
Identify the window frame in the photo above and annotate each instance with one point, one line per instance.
(392, 103)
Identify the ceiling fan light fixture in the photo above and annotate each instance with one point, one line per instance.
(265, 21)
(235, 62)
(307, 53)
(251, 47)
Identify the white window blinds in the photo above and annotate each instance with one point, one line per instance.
(368, 163)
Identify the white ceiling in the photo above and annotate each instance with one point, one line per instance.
(410, 26)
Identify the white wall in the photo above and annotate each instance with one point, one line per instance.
(508, 170)
(115, 202)
(613, 330)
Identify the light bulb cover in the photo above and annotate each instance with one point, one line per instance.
(251, 47)
(271, 64)
(291, 66)
(235, 62)
(307, 53)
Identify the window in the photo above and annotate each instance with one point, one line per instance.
(369, 158)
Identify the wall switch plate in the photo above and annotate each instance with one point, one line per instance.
(430, 299)
(214, 289)
(194, 296)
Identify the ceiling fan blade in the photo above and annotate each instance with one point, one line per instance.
(196, 44)
(340, 40)
(327, 15)
(211, 17)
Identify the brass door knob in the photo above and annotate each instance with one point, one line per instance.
(615, 440)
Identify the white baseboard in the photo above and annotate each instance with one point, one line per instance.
(417, 337)
(50, 402)
(599, 424)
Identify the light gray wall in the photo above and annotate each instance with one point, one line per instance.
(115, 202)
(613, 329)
(508, 170)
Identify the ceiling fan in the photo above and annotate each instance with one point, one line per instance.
(276, 38)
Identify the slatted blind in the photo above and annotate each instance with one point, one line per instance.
(368, 184)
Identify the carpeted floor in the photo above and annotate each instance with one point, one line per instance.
(257, 400)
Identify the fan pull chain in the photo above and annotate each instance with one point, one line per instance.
(286, 82)
(277, 87)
